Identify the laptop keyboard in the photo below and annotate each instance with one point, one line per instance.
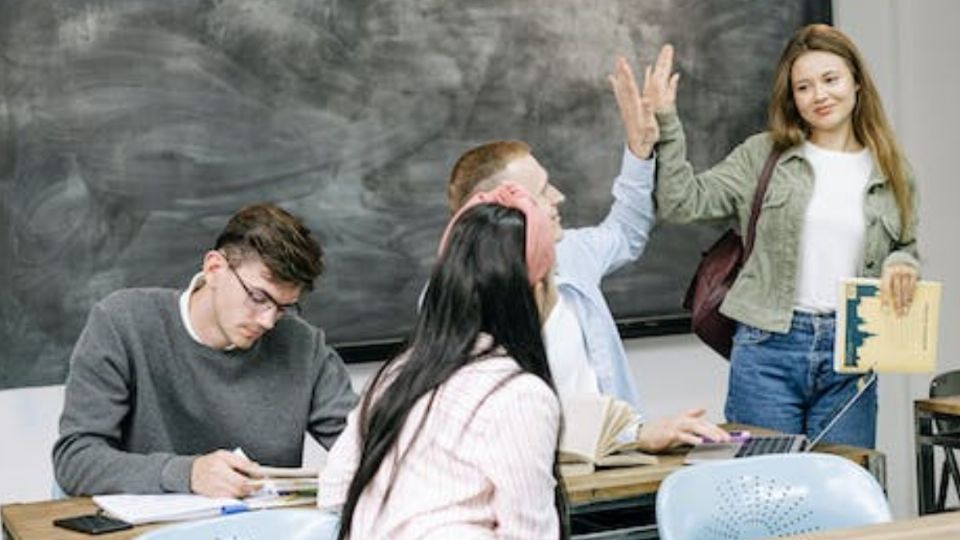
(757, 446)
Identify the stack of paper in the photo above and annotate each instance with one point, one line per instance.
(137, 509)
(277, 487)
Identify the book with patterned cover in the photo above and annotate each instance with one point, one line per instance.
(870, 335)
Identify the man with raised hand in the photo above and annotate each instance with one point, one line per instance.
(583, 345)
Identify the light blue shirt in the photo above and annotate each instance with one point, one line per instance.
(586, 255)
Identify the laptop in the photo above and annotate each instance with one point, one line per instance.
(773, 444)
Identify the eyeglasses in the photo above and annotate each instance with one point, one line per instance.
(260, 301)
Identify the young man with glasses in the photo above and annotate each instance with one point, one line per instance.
(164, 384)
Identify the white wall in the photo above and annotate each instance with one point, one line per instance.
(910, 47)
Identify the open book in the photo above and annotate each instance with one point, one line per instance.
(278, 487)
(592, 426)
(870, 336)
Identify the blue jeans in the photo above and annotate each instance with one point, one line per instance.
(786, 382)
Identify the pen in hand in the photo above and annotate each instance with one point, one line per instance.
(222, 474)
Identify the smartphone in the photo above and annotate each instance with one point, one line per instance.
(92, 524)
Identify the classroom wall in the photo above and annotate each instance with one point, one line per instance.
(909, 46)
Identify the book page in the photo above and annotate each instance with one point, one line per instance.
(619, 416)
(584, 417)
(289, 472)
(871, 336)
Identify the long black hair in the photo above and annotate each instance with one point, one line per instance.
(479, 285)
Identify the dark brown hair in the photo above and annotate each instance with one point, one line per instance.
(870, 125)
(478, 164)
(275, 237)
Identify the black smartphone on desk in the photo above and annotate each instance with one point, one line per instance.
(92, 524)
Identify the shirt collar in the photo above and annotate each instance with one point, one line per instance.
(195, 283)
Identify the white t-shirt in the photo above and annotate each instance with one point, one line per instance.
(567, 353)
(831, 246)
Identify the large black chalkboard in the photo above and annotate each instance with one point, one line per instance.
(131, 129)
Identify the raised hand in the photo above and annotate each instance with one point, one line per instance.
(222, 474)
(687, 428)
(659, 84)
(897, 285)
(637, 115)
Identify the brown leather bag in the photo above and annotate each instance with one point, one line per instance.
(718, 270)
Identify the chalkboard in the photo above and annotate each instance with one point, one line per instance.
(131, 129)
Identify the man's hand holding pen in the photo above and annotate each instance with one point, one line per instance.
(223, 474)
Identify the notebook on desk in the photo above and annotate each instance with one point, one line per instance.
(773, 444)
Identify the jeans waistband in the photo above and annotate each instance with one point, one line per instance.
(808, 319)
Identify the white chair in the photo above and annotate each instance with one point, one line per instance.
(287, 523)
(764, 496)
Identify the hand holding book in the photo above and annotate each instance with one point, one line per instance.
(871, 334)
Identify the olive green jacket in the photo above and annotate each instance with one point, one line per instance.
(764, 292)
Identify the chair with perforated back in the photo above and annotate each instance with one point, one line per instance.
(764, 496)
(287, 523)
(947, 384)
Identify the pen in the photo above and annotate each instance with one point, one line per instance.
(233, 509)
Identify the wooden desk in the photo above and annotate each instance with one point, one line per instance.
(621, 483)
(603, 490)
(34, 521)
(635, 488)
(935, 527)
(925, 412)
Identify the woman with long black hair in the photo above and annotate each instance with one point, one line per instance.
(457, 437)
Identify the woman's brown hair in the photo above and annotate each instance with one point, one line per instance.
(870, 125)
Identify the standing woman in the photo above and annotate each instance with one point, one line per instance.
(841, 203)
(457, 437)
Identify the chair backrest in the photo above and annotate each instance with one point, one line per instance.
(946, 384)
(56, 492)
(287, 523)
(765, 496)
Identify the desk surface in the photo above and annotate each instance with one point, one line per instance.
(626, 482)
(34, 521)
(941, 405)
(931, 527)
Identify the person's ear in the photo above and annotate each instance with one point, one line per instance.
(214, 262)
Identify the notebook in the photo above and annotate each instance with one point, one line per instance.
(774, 444)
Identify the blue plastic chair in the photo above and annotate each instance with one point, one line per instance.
(56, 492)
(764, 496)
(291, 524)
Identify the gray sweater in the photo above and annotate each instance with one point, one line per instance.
(143, 399)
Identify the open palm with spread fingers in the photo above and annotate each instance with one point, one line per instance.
(636, 112)
(660, 84)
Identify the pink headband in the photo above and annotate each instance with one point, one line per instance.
(540, 235)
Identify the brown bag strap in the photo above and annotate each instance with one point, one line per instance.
(761, 190)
